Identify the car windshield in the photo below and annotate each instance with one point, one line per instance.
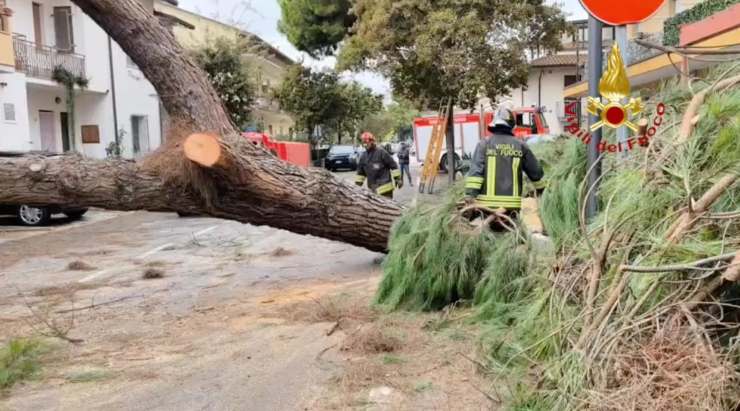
(342, 150)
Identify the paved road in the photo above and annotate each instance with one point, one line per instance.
(407, 194)
(204, 336)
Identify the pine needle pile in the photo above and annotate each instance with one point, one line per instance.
(436, 258)
(640, 307)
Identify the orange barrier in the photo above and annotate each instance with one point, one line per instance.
(292, 152)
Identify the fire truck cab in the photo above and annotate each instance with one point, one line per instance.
(530, 122)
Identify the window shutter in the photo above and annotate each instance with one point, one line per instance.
(63, 29)
(9, 112)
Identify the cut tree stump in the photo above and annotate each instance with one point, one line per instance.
(204, 149)
(219, 174)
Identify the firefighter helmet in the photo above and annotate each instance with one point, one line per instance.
(504, 117)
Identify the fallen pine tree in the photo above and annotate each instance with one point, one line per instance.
(638, 309)
(206, 167)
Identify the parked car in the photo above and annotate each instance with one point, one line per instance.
(39, 215)
(342, 157)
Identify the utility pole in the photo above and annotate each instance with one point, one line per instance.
(595, 68)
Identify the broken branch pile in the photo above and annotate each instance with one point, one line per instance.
(638, 309)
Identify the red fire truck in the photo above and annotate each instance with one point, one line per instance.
(530, 122)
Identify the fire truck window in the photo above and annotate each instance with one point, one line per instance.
(525, 120)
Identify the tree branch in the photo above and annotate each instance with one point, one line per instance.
(679, 267)
(685, 50)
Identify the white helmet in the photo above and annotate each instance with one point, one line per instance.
(504, 118)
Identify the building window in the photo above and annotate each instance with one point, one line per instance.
(571, 79)
(140, 134)
(63, 29)
(38, 35)
(9, 112)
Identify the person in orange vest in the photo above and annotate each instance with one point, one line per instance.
(378, 168)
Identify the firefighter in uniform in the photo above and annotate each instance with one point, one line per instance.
(378, 168)
(495, 176)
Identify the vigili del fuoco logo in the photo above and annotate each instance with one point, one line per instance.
(614, 88)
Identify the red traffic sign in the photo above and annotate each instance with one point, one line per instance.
(622, 12)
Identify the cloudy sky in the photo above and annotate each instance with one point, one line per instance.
(261, 17)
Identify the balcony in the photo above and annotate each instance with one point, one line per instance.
(267, 104)
(39, 61)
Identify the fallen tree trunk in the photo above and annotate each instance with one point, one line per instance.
(246, 183)
(320, 206)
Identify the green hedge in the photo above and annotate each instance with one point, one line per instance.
(672, 26)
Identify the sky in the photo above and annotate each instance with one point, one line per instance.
(261, 18)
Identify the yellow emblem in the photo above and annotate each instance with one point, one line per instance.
(613, 87)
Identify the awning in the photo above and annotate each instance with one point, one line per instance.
(664, 66)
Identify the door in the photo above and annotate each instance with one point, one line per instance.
(37, 22)
(140, 134)
(63, 29)
(64, 120)
(47, 131)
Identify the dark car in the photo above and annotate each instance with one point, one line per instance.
(342, 157)
(39, 215)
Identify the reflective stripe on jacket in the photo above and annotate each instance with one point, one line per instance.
(380, 170)
(495, 177)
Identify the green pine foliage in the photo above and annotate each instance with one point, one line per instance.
(560, 206)
(436, 259)
(532, 306)
(315, 26)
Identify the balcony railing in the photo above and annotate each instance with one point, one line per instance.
(39, 61)
(267, 104)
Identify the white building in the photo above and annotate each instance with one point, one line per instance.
(117, 101)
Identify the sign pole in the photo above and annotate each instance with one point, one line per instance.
(595, 68)
(621, 31)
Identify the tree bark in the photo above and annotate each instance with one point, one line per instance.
(247, 184)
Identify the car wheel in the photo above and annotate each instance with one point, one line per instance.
(75, 215)
(33, 216)
(443, 163)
